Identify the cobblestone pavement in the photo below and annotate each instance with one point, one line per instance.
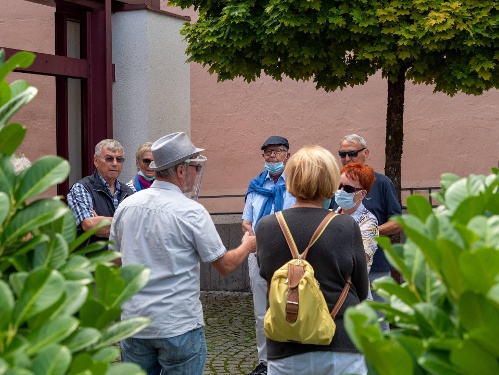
(230, 332)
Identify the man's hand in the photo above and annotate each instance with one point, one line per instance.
(250, 240)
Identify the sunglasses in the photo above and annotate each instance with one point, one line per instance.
(351, 154)
(349, 188)
(147, 161)
(110, 159)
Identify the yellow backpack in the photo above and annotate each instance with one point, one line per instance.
(297, 309)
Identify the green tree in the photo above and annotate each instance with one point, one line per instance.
(57, 308)
(447, 309)
(449, 44)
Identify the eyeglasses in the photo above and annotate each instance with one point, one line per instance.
(147, 161)
(110, 159)
(277, 152)
(349, 188)
(197, 166)
(351, 154)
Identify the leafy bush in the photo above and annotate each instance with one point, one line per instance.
(57, 308)
(447, 309)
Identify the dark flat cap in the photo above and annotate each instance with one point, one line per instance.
(276, 140)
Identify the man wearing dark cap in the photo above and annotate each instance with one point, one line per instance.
(266, 194)
(166, 230)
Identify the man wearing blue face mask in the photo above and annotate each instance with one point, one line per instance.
(266, 194)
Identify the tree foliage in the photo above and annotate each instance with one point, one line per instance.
(57, 308)
(446, 311)
(450, 44)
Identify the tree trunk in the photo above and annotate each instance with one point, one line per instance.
(395, 130)
(395, 140)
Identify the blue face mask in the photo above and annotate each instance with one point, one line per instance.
(274, 168)
(146, 177)
(344, 199)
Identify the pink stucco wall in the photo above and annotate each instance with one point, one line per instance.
(232, 119)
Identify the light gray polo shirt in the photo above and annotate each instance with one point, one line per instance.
(169, 233)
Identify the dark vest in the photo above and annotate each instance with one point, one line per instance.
(102, 202)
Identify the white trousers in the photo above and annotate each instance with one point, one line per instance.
(319, 363)
(259, 290)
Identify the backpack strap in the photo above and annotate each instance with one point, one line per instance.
(290, 240)
(343, 296)
(296, 272)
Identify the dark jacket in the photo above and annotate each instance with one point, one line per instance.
(337, 254)
(102, 202)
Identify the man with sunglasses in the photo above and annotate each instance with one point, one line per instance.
(382, 201)
(95, 198)
(165, 230)
(266, 194)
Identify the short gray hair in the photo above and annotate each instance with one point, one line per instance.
(167, 173)
(20, 163)
(111, 144)
(351, 138)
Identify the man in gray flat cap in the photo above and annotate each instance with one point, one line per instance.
(266, 194)
(162, 228)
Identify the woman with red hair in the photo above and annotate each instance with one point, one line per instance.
(356, 181)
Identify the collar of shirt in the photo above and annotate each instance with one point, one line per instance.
(107, 187)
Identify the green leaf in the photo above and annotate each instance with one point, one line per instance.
(10, 108)
(52, 254)
(21, 59)
(42, 288)
(391, 287)
(479, 315)
(11, 137)
(95, 314)
(106, 354)
(436, 362)
(45, 172)
(4, 207)
(54, 360)
(136, 277)
(109, 285)
(6, 305)
(483, 262)
(34, 215)
(473, 360)
(433, 321)
(451, 272)
(81, 339)
(419, 206)
(387, 356)
(121, 330)
(487, 230)
(125, 369)
(83, 363)
(52, 332)
(7, 175)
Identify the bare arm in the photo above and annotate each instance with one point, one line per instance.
(247, 227)
(92, 222)
(232, 259)
(390, 227)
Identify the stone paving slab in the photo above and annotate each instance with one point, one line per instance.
(230, 332)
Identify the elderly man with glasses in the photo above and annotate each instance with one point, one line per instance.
(266, 194)
(167, 230)
(95, 198)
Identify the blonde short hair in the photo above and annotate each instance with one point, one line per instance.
(145, 147)
(312, 173)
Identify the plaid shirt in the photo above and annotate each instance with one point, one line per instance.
(80, 199)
